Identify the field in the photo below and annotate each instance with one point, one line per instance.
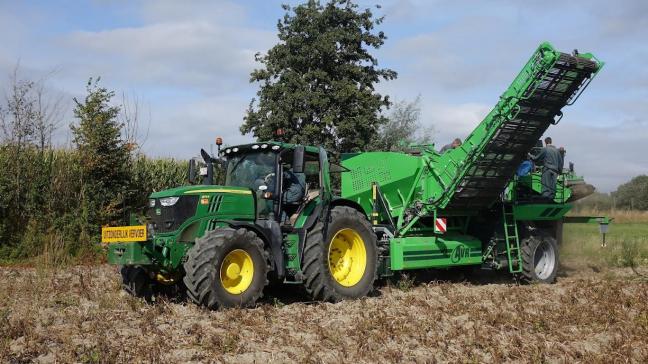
(597, 312)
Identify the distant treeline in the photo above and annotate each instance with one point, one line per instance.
(631, 196)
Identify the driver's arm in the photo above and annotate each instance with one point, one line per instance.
(296, 183)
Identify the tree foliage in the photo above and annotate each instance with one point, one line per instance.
(632, 194)
(403, 128)
(317, 83)
(104, 157)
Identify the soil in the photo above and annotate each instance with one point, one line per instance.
(81, 314)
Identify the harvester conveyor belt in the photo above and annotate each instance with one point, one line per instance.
(516, 124)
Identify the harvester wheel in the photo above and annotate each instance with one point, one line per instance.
(539, 258)
(226, 268)
(136, 282)
(342, 262)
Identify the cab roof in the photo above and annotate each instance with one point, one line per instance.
(270, 145)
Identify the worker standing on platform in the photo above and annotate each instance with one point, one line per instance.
(552, 164)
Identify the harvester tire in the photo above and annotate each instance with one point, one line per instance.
(227, 268)
(539, 258)
(328, 277)
(136, 282)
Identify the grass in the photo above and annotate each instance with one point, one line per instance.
(627, 245)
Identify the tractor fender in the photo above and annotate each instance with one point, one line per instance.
(270, 233)
(348, 203)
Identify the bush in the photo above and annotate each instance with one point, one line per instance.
(45, 210)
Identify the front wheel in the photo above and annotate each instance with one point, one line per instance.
(136, 281)
(226, 268)
(539, 258)
(341, 262)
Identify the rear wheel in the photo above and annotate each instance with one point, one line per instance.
(539, 258)
(340, 263)
(226, 268)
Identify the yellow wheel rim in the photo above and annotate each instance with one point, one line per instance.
(236, 271)
(347, 257)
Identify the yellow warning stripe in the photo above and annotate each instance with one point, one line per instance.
(240, 192)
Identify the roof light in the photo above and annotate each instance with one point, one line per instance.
(275, 147)
(227, 150)
(255, 146)
(264, 146)
(235, 150)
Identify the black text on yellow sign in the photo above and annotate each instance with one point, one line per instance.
(123, 234)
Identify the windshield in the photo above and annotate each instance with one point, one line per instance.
(249, 170)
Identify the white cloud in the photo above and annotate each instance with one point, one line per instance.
(181, 54)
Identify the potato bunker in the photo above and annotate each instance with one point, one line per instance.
(221, 245)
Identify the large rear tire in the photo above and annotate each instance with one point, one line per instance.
(539, 258)
(226, 268)
(342, 262)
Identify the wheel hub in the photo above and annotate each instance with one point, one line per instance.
(237, 271)
(544, 260)
(347, 257)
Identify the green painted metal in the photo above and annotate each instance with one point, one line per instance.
(130, 253)
(434, 251)
(534, 182)
(605, 220)
(293, 261)
(536, 212)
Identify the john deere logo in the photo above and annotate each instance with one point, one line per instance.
(158, 211)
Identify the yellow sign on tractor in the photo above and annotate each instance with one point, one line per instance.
(123, 234)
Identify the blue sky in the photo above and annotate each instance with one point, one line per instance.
(188, 62)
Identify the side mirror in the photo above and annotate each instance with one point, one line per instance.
(192, 170)
(205, 156)
(298, 159)
(209, 178)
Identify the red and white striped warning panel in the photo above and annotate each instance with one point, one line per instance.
(440, 225)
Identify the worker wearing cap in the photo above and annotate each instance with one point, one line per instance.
(552, 164)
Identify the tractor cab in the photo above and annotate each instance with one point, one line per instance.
(256, 167)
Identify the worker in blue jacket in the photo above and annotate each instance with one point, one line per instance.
(552, 161)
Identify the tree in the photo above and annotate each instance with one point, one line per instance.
(29, 113)
(104, 156)
(403, 128)
(317, 83)
(633, 194)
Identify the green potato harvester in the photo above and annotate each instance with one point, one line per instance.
(221, 245)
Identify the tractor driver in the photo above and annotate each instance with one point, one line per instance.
(552, 161)
(294, 188)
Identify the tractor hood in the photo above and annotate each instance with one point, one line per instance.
(175, 209)
(200, 189)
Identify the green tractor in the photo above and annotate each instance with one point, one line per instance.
(223, 244)
(396, 211)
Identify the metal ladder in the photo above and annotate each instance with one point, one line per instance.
(512, 239)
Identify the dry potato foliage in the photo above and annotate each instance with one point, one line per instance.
(80, 314)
